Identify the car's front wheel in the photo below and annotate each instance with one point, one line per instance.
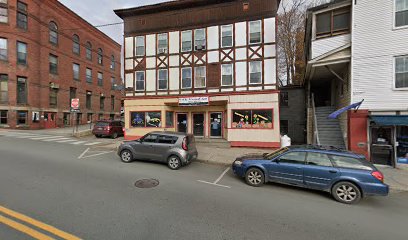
(346, 192)
(255, 177)
(174, 162)
(126, 156)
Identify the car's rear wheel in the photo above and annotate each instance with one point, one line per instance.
(174, 162)
(255, 177)
(114, 135)
(126, 156)
(346, 192)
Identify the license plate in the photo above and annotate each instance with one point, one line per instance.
(99, 128)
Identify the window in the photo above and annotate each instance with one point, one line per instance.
(100, 79)
(75, 44)
(150, 138)
(21, 90)
(226, 36)
(199, 39)
(162, 43)
(66, 119)
(3, 49)
(3, 117)
(53, 97)
(3, 11)
(88, 48)
(113, 83)
(140, 46)
(53, 28)
(22, 15)
(252, 119)
(186, 41)
(100, 56)
(72, 94)
(169, 119)
(163, 77)
(88, 100)
(166, 139)
(255, 33)
(333, 22)
(146, 119)
(226, 72)
(89, 117)
(75, 71)
(318, 159)
(284, 99)
(401, 13)
(112, 65)
(199, 77)
(284, 127)
(255, 72)
(3, 88)
(102, 103)
(349, 162)
(22, 53)
(21, 118)
(112, 103)
(293, 158)
(100, 116)
(88, 75)
(186, 76)
(401, 72)
(140, 81)
(53, 64)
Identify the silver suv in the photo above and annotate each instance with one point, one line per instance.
(175, 149)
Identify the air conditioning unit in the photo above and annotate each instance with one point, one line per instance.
(162, 50)
(54, 85)
(200, 47)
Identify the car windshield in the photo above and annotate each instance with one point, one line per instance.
(102, 124)
(276, 153)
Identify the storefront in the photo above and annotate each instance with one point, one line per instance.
(242, 119)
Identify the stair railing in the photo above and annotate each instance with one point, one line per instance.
(316, 139)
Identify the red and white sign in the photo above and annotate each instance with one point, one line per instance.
(75, 103)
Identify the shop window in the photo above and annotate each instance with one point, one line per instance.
(169, 119)
(53, 97)
(3, 49)
(186, 41)
(3, 88)
(162, 43)
(140, 81)
(199, 39)
(200, 77)
(255, 32)
(226, 36)
(284, 127)
(145, 119)
(140, 46)
(284, 99)
(21, 90)
(402, 139)
(21, 118)
(163, 79)
(186, 75)
(22, 53)
(252, 119)
(3, 117)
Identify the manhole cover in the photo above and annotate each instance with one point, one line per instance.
(147, 183)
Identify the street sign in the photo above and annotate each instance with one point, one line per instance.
(75, 105)
(194, 101)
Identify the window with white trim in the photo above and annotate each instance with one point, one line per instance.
(186, 41)
(140, 46)
(255, 32)
(162, 43)
(200, 77)
(226, 74)
(401, 13)
(140, 81)
(401, 72)
(199, 39)
(255, 72)
(163, 79)
(186, 75)
(226, 36)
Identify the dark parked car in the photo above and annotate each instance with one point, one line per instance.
(346, 175)
(111, 128)
(175, 149)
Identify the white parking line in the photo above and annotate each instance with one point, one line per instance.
(54, 139)
(43, 138)
(82, 154)
(215, 183)
(29, 136)
(91, 144)
(66, 141)
(77, 143)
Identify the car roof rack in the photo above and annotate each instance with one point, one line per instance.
(324, 148)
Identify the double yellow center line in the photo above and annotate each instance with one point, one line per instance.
(28, 230)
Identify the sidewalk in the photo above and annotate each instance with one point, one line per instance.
(65, 131)
(396, 178)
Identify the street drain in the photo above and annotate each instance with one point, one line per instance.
(147, 183)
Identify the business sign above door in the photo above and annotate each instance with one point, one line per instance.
(194, 101)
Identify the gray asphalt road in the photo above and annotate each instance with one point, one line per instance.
(95, 198)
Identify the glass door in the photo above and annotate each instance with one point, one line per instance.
(216, 125)
(182, 122)
(198, 124)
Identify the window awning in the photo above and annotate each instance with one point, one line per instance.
(390, 120)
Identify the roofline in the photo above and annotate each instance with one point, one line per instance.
(87, 23)
(326, 5)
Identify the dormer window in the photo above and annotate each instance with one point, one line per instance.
(333, 23)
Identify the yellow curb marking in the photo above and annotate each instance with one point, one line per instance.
(23, 228)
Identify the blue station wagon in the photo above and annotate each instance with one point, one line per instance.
(346, 175)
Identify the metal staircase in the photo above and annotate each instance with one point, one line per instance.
(329, 131)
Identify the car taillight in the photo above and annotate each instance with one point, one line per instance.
(184, 144)
(378, 175)
(108, 128)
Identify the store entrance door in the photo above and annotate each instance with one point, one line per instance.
(198, 124)
(182, 122)
(216, 124)
(50, 120)
(382, 146)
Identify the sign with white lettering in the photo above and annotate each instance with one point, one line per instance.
(75, 105)
(194, 101)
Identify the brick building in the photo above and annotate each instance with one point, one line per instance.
(49, 55)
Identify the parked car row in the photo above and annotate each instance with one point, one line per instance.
(347, 176)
